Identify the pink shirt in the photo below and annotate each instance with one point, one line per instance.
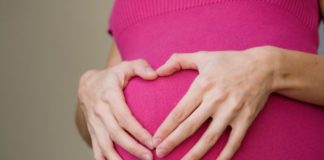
(285, 129)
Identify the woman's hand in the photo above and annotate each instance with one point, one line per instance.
(107, 114)
(231, 88)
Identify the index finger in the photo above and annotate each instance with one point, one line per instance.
(126, 119)
(182, 110)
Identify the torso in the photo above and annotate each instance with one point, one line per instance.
(154, 29)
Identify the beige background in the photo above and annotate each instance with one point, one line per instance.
(45, 45)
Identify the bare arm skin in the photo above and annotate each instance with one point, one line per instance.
(235, 98)
(113, 59)
(299, 75)
(294, 74)
(114, 56)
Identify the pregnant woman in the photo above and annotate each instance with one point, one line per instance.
(208, 79)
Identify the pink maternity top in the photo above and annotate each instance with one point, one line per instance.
(286, 129)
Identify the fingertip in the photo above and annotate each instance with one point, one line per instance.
(149, 70)
(159, 71)
(163, 70)
(148, 140)
(146, 73)
(159, 68)
(151, 73)
(149, 144)
(156, 141)
(165, 67)
(147, 157)
(145, 154)
(151, 76)
(160, 152)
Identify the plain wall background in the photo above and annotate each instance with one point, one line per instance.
(45, 46)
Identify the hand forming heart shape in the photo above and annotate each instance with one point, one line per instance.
(217, 92)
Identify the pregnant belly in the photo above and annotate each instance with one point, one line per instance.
(284, 129)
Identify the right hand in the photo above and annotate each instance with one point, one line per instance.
(107, 114)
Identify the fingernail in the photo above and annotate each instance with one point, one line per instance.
(156, 141)
(160, 152)
(149, 144)
(147, 157)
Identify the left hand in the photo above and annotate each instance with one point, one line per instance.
(231, 88)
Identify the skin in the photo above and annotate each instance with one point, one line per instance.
(103, 112)
(232, 88)
(101, 105)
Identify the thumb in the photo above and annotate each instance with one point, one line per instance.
(176, 62)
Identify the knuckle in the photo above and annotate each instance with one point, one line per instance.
(215, 98)
(210, 139)
(106, 144)
(83, 82)
(236, 103)
(115, 133)
(249, 115)
(88, 73)
(123, 122)
(236, 99)
(175, 56)
(134, 148)
(98, 110)
(178, 116)
(105, 98)
(187, 128)
(84, 79)
(141, 61)
(169, 144)
(92, 122)
(195, 155)
(204, 82)
(109, 95)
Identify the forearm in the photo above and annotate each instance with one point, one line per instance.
(113, 59)
(114, 56)
(298, 75)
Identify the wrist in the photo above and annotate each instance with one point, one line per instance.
(269, 59)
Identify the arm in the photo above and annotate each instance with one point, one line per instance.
(236, 97)
(301, 76)
(298, 75)
(114, 56)
(113, 59)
